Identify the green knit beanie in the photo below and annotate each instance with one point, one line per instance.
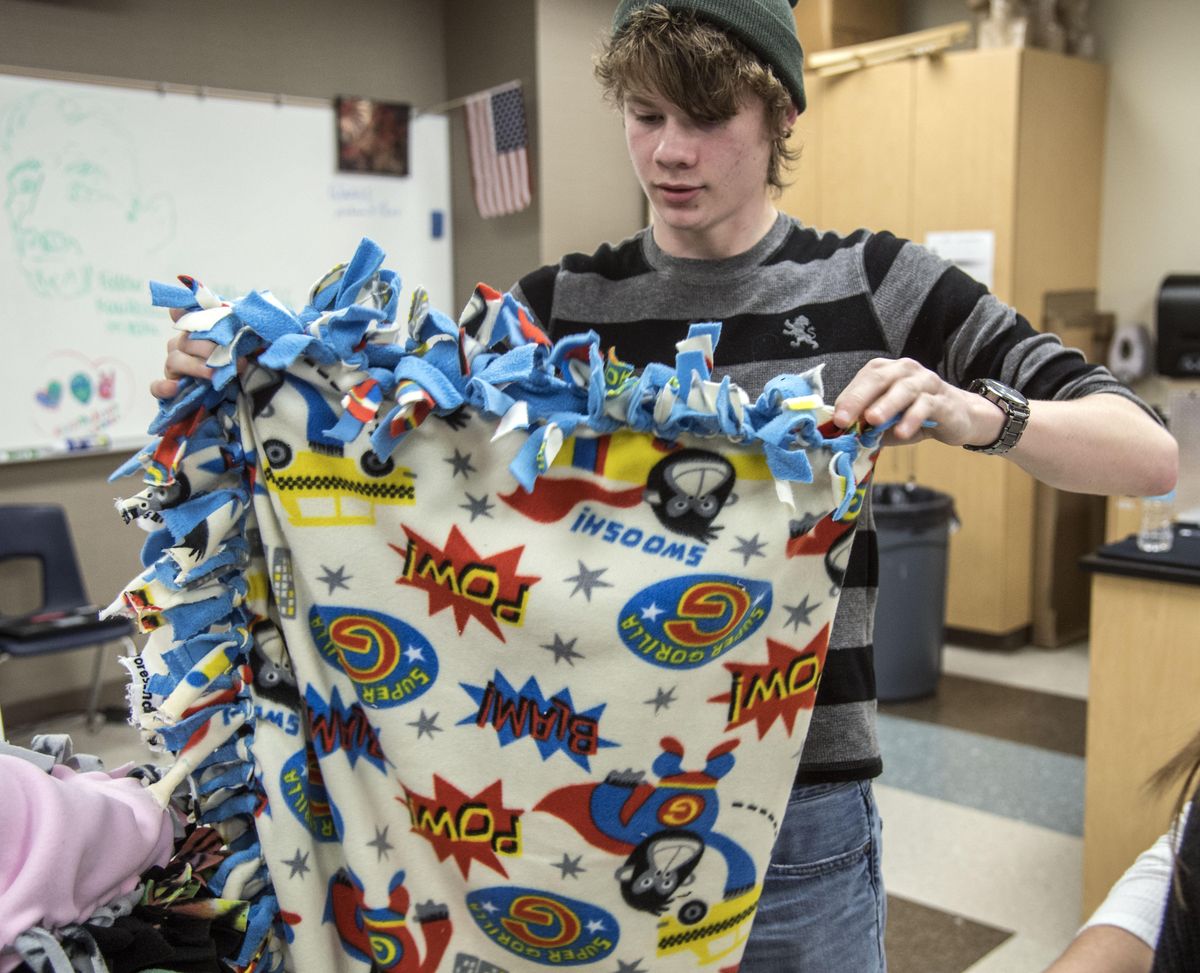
(765, 26)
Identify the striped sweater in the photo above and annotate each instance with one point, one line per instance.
(800, 297)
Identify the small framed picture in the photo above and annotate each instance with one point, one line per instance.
(372, 136)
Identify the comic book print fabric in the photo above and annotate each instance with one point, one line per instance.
(483, 654)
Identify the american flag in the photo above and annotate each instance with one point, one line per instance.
(498, 141)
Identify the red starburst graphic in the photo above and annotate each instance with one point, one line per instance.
(475, 828)
(777, 690)
(487, 588)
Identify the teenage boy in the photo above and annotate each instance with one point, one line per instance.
(708, 91)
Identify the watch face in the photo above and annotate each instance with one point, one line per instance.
(1000, 389)
(1016, 409)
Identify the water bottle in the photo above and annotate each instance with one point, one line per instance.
(1156, 533)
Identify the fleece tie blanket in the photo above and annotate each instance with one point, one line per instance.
(482, 652)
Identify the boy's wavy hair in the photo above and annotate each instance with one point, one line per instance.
(698, 67)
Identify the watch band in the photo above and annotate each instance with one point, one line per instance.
(1016, 414)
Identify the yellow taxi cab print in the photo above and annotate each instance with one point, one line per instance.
(710, 933)
(325, 490)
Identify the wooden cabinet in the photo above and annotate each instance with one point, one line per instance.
(1141, 711)
(1005, 140)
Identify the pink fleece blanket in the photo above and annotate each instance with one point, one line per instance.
(72, 842)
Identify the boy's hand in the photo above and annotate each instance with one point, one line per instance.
(885, 388)
(185, 356)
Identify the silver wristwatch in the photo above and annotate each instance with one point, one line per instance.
(1016, 411)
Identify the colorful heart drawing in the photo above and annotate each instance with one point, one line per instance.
(81, 387)
(50, 396)
(72, 396)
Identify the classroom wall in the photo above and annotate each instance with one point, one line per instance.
(500, 46)
(380, 48)
(1151, 216)
(585, 192)
(589, 192)
(1150, 210)
(390, 49)
(921, 14)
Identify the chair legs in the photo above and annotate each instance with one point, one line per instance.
(93, 706)
(94, 719)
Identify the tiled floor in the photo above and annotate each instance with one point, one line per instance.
(982, 801)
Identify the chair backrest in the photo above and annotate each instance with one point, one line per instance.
(40, 531)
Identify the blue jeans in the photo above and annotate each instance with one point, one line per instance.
(823, 907)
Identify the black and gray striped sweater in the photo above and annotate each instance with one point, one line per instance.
(798, 298)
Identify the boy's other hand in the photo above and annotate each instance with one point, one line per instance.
(186, 356)
(885, 388)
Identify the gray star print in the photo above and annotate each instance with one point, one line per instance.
(570, 867)
(477, 506)
(586, 580)
(381, 845)
(798, 614)
(749, 547)
(662, 699)
(335, 579)
(461, 463)
(634, 967)
(298, 864)
(426, 725)
(563, 651)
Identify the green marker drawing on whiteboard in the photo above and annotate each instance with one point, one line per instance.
(71, 192)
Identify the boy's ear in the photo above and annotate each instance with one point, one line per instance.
(792, 114)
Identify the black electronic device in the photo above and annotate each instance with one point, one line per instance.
(1177, 324)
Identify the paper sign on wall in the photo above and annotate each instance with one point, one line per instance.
(973, 251)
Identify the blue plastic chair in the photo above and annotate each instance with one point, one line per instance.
(41, 532)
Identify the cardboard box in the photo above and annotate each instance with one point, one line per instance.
(1072, 315)
(825, 24)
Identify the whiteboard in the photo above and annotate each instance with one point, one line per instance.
(107, 188)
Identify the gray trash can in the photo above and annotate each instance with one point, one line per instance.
(912, 530)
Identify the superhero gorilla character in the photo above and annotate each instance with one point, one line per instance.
(687, 490)
(662, 830)
(659, 866)
(269, 666)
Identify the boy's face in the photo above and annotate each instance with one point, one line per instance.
(707, 182)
